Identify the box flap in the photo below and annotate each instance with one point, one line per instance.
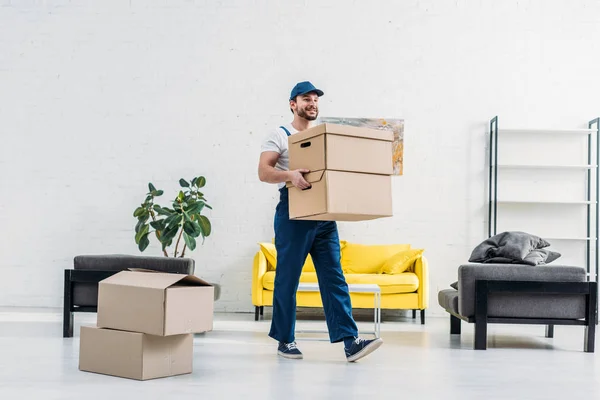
(345, 130)
(310, 177)
(154, 280)
(140, 277)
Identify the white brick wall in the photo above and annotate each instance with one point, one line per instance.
(99, 97)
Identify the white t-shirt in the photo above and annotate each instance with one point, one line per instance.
(277, 140)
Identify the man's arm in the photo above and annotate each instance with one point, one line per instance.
(267, 172)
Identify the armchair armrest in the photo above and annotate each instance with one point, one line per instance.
(259, 269)
(422, 272)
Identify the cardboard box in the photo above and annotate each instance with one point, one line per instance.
(342, 148)
(156, 303)
(341, 196)
(134, 355)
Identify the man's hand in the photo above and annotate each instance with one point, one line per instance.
(298, 180)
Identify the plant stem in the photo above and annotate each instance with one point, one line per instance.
(177, 244)
(157, 232)
(183, 252)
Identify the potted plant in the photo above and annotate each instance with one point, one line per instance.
(182, 219)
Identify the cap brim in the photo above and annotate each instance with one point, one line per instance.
(317, 91)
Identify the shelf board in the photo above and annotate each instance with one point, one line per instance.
(545, 202)
(534, 166)
(549, 131)
(549, 238)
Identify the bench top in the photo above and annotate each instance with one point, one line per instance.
(352, 287)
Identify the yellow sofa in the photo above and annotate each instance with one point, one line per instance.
(400, 270)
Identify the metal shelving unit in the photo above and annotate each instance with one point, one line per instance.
(593, 139)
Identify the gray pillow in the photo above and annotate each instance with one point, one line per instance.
(454, 285)
(541, 257)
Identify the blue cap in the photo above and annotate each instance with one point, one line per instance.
(303, 88)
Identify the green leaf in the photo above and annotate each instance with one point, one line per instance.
(159, 193)
(194, 181)
(144, 242)
(181, 196)
(140, 223)
(204, 225)
(159, 225)
(184, 183)
(148, 198)
(139, 211)
(143, 231)
(162, 211)
(207, 206)
(200, 182)
(190, 241)
(169, 234)
(191, 229)
(173, 220)
(196, 207)
(151, 188)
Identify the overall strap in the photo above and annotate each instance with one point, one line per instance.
(286, 131)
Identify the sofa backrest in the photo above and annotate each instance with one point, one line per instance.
(368, 259)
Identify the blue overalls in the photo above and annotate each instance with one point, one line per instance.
(294, 240)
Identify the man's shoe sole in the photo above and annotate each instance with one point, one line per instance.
(371, 347)
(290, 356)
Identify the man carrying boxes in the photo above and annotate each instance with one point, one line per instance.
(145, 325)
(311, 200)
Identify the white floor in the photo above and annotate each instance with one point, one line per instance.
(238, 360)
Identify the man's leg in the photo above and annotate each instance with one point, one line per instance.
(293, 240)
(325, 252)
(334, 293)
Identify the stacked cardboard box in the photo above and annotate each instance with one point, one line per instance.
(145, 325)
(350, 173)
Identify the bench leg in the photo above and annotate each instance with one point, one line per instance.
(67, 304)
(590, 319)
(481, 308)
(549, 331)
(454, 325)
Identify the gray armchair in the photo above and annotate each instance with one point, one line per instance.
(521, 294)
(81, 282)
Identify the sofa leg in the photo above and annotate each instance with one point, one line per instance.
(262, 311)
(549, 331)
(414, 314)
(454, 325)
(67, 303)
(480, 335)
(591, 318)
(256, 312)
(481, 311)
(422, 317)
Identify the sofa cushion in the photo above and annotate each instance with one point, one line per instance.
(448, 299)
(407, 282)
(368, 259)
(270, 253)
(401, 261)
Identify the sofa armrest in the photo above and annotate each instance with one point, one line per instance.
(422, 272)
(469, 273)
(259, 269)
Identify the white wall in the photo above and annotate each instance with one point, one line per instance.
(99, 97)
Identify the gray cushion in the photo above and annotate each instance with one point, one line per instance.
(521, 305)
(119, 262)
(448, 299)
